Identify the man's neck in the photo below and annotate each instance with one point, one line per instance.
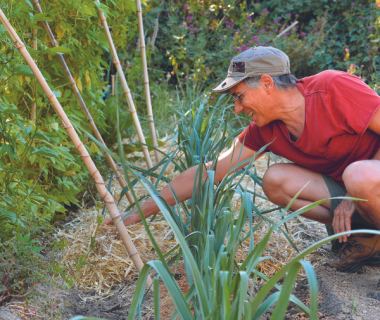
(291, 111)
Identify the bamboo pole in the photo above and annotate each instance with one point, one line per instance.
(146, 81)
(112, 84)
(33, 113)
(99, 182)
(127, 92)
(95, 130)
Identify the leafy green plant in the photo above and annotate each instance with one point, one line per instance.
(23, 263)
(24, 244)
(339, 35)
(219, 285)
(204, 130)
(41, 173)
(196, 40)
(38, 175)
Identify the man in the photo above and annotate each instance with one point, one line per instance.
(327, 124)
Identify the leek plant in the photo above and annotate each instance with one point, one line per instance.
(204, 130)
(219, 286)
(209, 235)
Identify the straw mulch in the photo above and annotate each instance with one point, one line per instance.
(109, 264)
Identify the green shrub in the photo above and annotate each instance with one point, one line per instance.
(196, 40)
(340, 35)
(23, 263)
(41, 172)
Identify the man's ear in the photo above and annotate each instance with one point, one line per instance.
(267, 83)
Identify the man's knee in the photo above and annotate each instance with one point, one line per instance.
(361, 177)
(273, 181)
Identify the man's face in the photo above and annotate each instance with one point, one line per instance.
(253, 102)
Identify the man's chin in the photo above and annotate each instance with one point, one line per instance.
(258, 122)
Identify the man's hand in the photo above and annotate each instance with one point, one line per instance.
(133, 218)
(343, 217)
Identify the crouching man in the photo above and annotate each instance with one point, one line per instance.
(328, 125)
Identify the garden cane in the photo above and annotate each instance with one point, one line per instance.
(146, 81)
(95, 130)
(127, 92)
(99, 182)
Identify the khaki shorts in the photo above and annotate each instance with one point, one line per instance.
(336, 190)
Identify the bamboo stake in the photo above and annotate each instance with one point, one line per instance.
(127, 92)
(113, 85)
(99, 182)
(95, 130)
(146, 81)
(33, 112)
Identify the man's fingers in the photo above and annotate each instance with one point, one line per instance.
(347, 221)
(337, 217)
(342, 226)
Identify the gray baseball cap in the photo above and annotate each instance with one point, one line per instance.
(255, 62)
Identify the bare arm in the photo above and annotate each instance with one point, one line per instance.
(183, 183)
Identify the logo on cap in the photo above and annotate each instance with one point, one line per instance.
(238, 67)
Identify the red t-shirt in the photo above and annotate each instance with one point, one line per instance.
(339, 107)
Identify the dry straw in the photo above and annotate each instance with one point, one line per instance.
(146, 80)
(99, 182)
(127, 91)
(95, 130)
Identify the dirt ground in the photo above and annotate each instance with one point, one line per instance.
(342, 296)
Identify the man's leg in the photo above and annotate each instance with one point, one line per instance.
(283, 181)
(362, 180)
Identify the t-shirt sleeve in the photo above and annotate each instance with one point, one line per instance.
(251, 137)
(353, 103)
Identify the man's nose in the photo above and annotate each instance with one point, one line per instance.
(238, 107)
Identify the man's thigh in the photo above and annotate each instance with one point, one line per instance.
(285, 180)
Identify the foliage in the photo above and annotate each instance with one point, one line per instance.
(23, 263)
(190, 46)
(39, 174)
(40, 169)
(204, 130)
(196, 40)
(341, 35)
(218, 285)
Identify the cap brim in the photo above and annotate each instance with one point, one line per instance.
(228, 83)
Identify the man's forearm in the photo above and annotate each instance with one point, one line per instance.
(183, 186)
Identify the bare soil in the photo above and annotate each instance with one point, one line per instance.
(113, 306)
